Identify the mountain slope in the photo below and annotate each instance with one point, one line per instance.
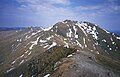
(97, 51)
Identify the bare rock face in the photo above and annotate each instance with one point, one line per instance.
(67, 49)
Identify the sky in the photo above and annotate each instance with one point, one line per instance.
(44, 13)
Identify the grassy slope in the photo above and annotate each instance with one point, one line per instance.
(42, 64)
(109, 63)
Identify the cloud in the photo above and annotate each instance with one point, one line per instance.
(51, 11)
(47, 6)
(107, 7)
(59, 1)
(48, 11)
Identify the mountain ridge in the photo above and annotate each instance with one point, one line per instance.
(92, 44)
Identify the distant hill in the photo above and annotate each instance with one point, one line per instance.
(11, 28)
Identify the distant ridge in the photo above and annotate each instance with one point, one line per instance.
(11, 28)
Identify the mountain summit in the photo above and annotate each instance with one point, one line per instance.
(67, 49)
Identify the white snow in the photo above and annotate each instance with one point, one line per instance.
(21, 75)
(46, 46)
(26, 51)
(56, 28)
(50, 37)
(118, 38)
(76, 36)
(29, 53)
(106, 31)
(88, 29)
(96, 43)
(52, 45)
(43, 41)
(69, 34)
(70, 55)
(10, 69)
(13, 62)
(110, 48)
(66, 44)
(34, 43)
(65, 39)
(21, 56)
(47, 75)
(94, 28)
(27, 37)
(81, 25)
(98, 53)
(33, 34)
(79, 44)
(67, 25)
(75, 29)
(94, 48)
(19, 40)
(21, 62)
(31, 47)
(111, 39)
(47, 29)
(113, 42)
(84, 42)
(93, 32)
(104, 40)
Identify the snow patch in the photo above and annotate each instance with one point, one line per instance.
(104, 40)
(47, 75)
(111, 39)
(81, 25)
(84, 42)
(69, 34)
(47, 29)
(65, 39)
(43, 41)
(29, 53)
(13, 62)
(75, 29)
(31, 47)
(52, 45)
(50, 37)
(98, 53)
(106, 31)
(21, 62)
(34, 43)
(118, 38)
(66, 44)
(10, 69)
(70, 55)
(21, 75)
(110, 49)
(26, 52)
(46, 46)
(113, 43)
(19, 40)
(21, 56)
(92, 31)
(79, 44)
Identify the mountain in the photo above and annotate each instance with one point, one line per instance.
(67, 49)
(11, 28)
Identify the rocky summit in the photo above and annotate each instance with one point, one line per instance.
(66, 49)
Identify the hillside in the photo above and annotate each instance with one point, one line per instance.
(66, 49)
